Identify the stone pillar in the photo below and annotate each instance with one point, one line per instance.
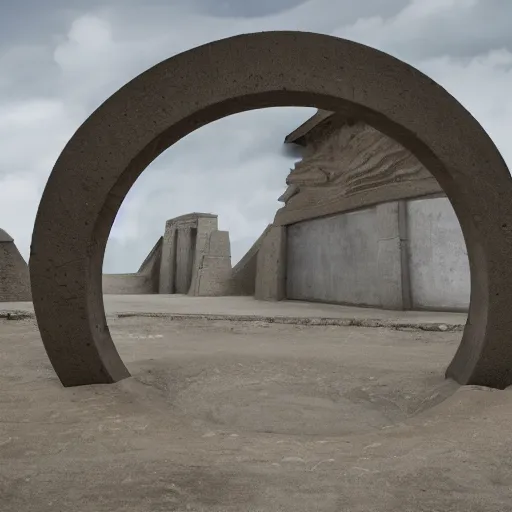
(392, 261)
(206, 225)
(184, 255)
(214, 277)
(184, 243)
(271, 266)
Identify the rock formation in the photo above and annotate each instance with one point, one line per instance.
(350, 167)
(14, 275)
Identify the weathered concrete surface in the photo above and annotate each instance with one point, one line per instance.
(14, 274)
(211, 273)
(181, 239)
(250, 309)
(185, 253)
(348, 166)
(243, 277)
(196, 257)
(164, 104)
(127, 284)
(213, 276)
(166, 283)
(396, 255)
(438, 260)
(392, 277)
(334, 259)
(183, 245)
(144, 281)
(270, 281)
(226, 417)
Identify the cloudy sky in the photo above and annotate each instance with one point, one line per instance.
(59, 59)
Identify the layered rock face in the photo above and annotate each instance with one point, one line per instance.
(352, 167)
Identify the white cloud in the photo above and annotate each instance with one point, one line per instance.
(234, 167)
(482, 84)
(19, 198)
(32, 134)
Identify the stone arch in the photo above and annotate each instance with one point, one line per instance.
(162, 105)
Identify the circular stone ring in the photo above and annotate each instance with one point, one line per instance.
(164, 104)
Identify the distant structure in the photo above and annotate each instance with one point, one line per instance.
(192, 257)
(367, 224)
(14, 274)
(363, 224)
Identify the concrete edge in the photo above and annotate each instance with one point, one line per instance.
(253, 250)
(152, 256)
(312, 124)
(318, 321)
(288, 320)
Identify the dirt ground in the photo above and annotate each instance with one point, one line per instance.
(251, 416)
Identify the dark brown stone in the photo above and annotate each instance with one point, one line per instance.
(124, 135)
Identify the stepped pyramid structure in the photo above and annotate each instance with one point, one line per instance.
(14, 275)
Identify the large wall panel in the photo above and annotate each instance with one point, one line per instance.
(334, 259)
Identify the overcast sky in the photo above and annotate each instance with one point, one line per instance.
(59, 59)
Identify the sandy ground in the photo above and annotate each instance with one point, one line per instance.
(250, 416)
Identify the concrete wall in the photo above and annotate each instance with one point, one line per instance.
(439, 266)
(128, 284)
(183, 245)
(145, 281)
(397, 255)
(368, 224)
(334, 259)
(271, 264)
(211, 269)
(243, 276)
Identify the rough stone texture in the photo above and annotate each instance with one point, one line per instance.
(243, 277)
(349, 166)
(123, 136)
(128, 284)
(315, 128)
(206, 226)
(214, 268)
(182, 248)
(14, 274)
(145, 281)
(271, 266)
